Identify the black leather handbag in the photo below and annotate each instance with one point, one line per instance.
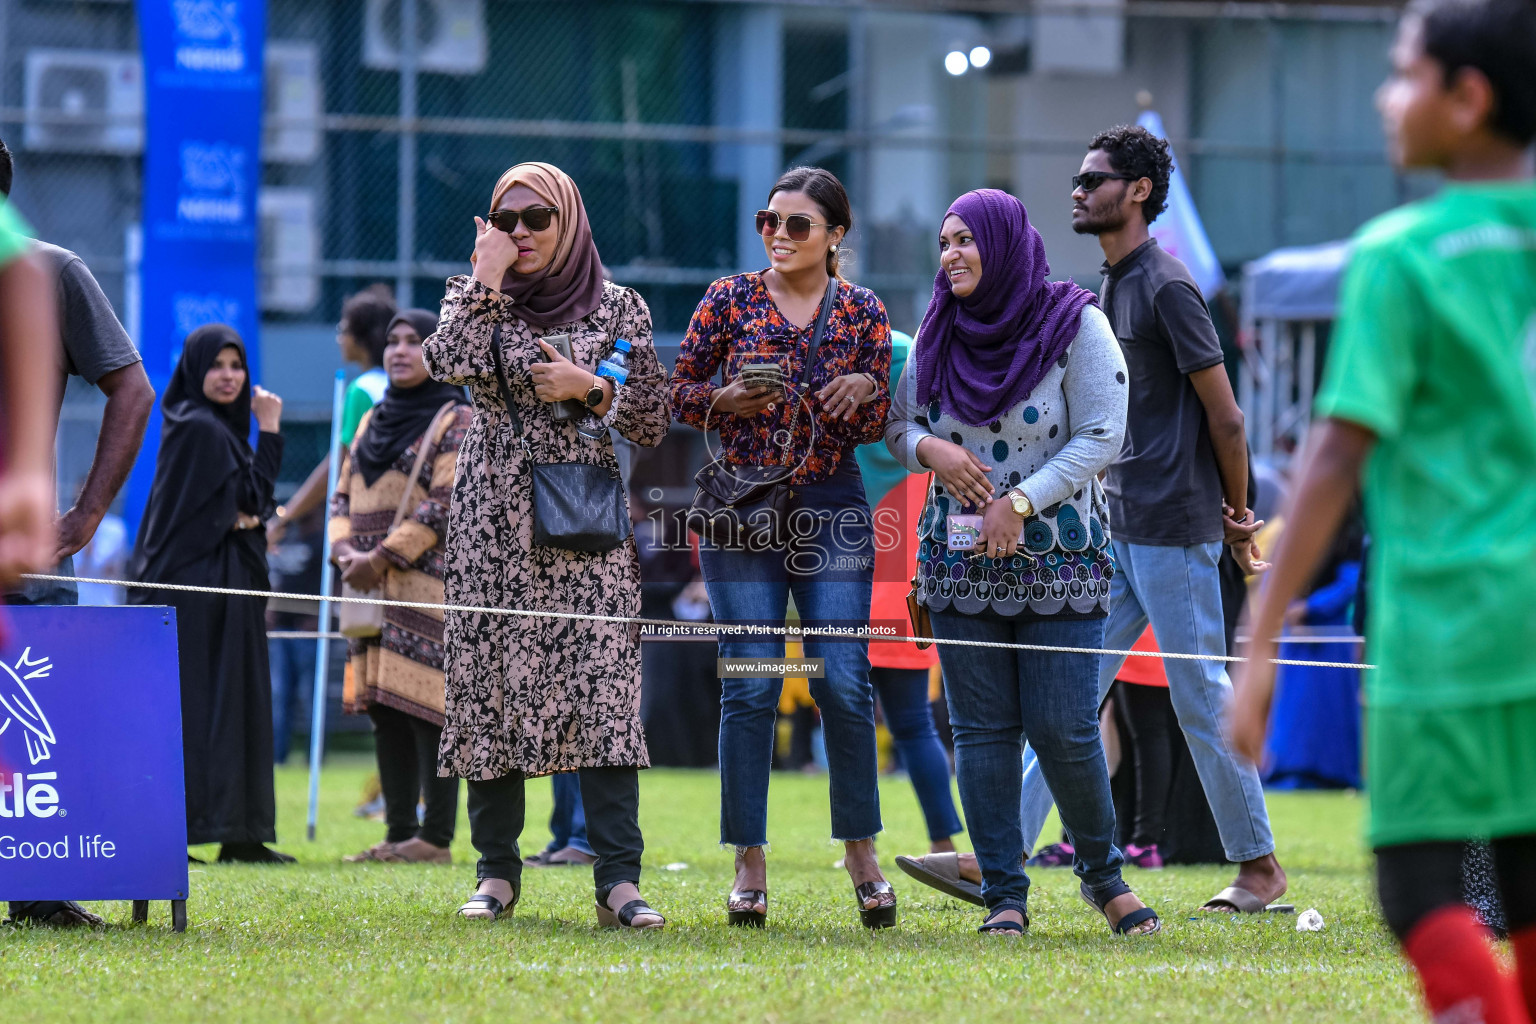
(576, 506)
(747, 506)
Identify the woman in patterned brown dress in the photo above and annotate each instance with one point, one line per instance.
(389, 521)
(529, 696)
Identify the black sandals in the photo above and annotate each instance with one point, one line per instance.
(745, 916)
(485, 901)
(883, 914)
(992, 924)
(1129, 921)
(625, 916)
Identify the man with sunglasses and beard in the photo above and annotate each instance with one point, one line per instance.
(1177, 494)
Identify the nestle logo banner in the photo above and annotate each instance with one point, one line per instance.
(91, 784)
(209, 36)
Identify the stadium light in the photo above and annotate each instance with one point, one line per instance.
(956, 62)
(980, 56)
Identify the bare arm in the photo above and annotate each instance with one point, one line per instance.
(130, 397)
(1227, 435)
(29, 336)
(304, 501)
(1337, 451)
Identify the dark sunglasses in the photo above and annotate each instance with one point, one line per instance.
(536, 217)
(798, 225)
(1090, 180)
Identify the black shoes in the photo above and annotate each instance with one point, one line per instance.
(252, 853)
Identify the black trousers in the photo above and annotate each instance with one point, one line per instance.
(406, 748)
(1148, 711)
(1415, 879)
(611, 797)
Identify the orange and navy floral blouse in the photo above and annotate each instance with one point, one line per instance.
(737, 323)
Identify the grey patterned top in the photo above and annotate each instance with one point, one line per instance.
(1051, 446)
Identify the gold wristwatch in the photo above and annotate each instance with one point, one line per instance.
(1020, 503)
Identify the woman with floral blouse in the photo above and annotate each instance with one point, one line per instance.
(826, 563)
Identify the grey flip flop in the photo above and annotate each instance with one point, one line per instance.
(942, 872)
(1244, 902)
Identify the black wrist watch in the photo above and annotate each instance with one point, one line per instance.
(595, 394)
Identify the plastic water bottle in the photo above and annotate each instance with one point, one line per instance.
(616, 366)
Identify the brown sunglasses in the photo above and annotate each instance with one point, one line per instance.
(798, 225)
(536, 217)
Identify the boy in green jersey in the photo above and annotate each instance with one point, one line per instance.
(29, 339)
(1430, 397)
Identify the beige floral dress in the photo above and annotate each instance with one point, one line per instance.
(527, 694)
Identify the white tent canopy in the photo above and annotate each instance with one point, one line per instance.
(1300, 283)
(1285, 296)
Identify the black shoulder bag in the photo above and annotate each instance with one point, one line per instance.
(576, 506)
(746, 506)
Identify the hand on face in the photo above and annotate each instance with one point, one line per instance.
(522, 250)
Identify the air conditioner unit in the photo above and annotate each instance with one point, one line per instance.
(1084, 37)
(288, 249)
(450, 36)
(84, 101)
(292, 107)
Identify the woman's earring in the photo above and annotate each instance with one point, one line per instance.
(834, 250)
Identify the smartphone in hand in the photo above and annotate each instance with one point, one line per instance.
(570, 409)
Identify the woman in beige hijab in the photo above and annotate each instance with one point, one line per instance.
(529, 696)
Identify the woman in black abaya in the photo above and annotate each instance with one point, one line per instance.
(203, 527)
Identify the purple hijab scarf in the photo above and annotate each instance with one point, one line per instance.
(981, 355)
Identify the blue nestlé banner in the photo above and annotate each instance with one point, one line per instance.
(91, 783)
(202, 168)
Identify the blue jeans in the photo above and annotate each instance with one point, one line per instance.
(1178, 591)
(568, 819)
(829, 569)
(903, 694)
(1000, 698)
(293, 671)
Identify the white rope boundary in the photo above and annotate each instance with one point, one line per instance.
(685, 628)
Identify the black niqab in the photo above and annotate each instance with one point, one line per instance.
(403, 414)
(204, 449)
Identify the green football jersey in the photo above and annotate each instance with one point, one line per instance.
(1435, 352)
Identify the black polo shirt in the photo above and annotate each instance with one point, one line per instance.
(1164, 489)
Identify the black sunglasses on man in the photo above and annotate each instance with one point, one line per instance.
(1090, 180)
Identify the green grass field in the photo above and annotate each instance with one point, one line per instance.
(330, 942)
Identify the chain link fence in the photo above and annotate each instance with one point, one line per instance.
(674, 119)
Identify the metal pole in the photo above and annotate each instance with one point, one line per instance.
(322, 645)
(405, 211)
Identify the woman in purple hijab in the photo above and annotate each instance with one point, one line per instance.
(1015, 397)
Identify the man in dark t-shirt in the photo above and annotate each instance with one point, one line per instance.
(1178, 494)
(98, 350)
